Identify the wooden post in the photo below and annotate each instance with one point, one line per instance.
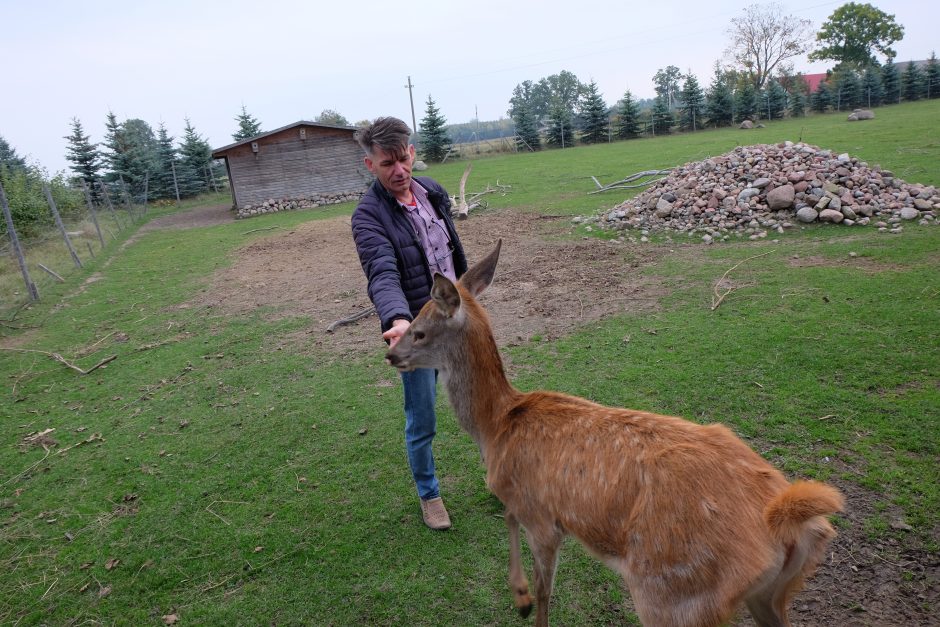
(90, 249)
(175, 184)
(127, 197)
(107, 197)
(94, 214)
(146, 191)
(209, 174)
(30, 286)
(58, 222)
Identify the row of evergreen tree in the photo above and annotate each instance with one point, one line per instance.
(134, 160)
(560, 110)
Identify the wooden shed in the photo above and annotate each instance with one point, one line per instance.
(302, 164)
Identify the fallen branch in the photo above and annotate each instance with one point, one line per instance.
(56, 276)
(365, 313)
(462, 208)
(621, 184)
(473, 201)
(267, 228)
(716, 300)
(59, 358)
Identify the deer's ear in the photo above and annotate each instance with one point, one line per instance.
(445, 295)
(479, 277)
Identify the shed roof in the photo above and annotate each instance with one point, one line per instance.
(218, 153)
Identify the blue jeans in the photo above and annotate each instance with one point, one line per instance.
(420, 388)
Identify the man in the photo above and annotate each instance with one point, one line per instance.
(404, 234)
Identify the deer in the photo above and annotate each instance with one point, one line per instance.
(693, 520)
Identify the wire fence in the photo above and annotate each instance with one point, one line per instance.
(33, 260)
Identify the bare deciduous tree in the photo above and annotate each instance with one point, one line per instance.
(764, 37)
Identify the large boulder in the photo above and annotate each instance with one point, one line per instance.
(807, 215)
(861, 114)
(746, 124)
(781, 197)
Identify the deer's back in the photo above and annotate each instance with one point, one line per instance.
(634, 485)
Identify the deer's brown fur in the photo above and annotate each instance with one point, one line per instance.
(693, 520)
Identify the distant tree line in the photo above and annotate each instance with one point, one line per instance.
(143, 165)
(560, 110)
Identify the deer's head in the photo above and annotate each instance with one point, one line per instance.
(439, 333)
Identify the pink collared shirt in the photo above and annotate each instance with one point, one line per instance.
(432, 233)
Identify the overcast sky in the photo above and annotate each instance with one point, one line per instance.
(288, 61)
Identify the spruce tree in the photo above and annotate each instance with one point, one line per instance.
(116, 158)
(628, 124)
(527, 132)
(594, 122)
(560, 132)
(932, 77)
(746, 101)
(891, 83)
(797, 104)
(776, 100)
(847, 90)
(140, 157)
(821, 99)
(248, 126)
(161, 181)
(195, 160)
(872, 91)
(661, 118)
(84, 156)
(912, 83)
(719, 107)
(434, 140)
(8, 157)
(691, 105)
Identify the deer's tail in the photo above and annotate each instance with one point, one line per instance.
(787, 514)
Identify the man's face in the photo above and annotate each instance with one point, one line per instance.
(392, 170)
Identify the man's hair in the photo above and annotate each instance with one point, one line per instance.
(389, 134)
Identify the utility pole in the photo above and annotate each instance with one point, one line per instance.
(414, 124)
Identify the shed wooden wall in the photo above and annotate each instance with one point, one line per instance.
(328, 161)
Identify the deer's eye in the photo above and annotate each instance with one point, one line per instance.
(419, 335)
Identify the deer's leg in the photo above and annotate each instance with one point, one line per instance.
(543, 542)
(517, 581)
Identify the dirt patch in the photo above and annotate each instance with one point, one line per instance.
(211, 215)
(313, 270)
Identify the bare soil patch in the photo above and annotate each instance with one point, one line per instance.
(546, 284)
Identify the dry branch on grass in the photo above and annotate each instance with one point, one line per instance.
(62, 360)
(365, 313)
(718, 297)
(462, 204)
(622, 184)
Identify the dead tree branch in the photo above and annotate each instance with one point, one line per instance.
(462, 208)
(62, 360)
(622, 184)
(365, 313)
(718, 297)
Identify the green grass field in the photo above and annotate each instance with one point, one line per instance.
(212, 473)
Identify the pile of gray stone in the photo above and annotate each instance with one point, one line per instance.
(273, 205)
(756, 190)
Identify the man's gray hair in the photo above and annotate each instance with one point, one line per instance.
(389, 134)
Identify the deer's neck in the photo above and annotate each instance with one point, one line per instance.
(478, 388)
